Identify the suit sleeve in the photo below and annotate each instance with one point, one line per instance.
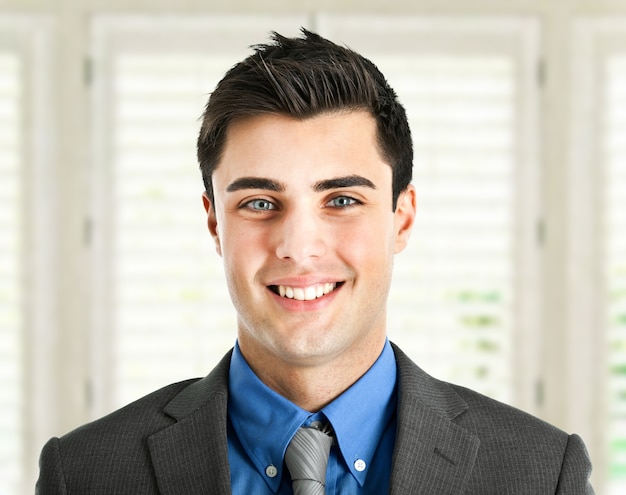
(575, 470)
(51, 477)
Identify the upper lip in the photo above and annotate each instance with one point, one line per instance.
(304, 281)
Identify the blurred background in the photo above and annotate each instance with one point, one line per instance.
(515, 279)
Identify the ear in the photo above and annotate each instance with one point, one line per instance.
(212, 222)
(404, 217)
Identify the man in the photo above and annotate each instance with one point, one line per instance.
(306, 159)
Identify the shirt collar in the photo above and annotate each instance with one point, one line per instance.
(361, 414)
(265, 422)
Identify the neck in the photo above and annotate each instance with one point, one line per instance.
(312, 385)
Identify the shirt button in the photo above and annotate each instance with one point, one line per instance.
(360, 465)
(271, 471)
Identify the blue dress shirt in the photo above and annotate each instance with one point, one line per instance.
(262, 423)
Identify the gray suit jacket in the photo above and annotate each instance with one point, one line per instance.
(450, 440)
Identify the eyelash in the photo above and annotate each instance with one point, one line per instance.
(270, 206)
(249, 205)
(352, 202)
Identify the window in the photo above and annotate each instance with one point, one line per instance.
(519, 149)
(598, 237)
(162, 309)
(470, 90)
(166, 293)
(614, 152)
(24, 57)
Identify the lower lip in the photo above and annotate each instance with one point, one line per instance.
(296, 306)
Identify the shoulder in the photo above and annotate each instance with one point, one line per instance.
(474, 411)
(521, 450)
(108, 455)
(112, 454)
(156, 410)
(496, 422)
(139, 418)
(99, 445)
(515, 448)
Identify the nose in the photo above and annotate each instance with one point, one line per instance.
(300, 236)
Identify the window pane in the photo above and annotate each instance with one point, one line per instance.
(172, 313)
(452, 302)
(162, 310)
(468, 282)
(615, 267)
(453, 298)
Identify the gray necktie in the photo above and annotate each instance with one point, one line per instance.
(306, 459)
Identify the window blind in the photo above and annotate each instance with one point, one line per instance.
(163, 310)
(614, 150)
(452, 304)
(11, 322)
(172, 316)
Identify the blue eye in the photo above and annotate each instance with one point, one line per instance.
(261, 205)
(343, 202)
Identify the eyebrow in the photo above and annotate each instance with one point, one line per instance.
(255, 183)
(339, 182)
(320, 186)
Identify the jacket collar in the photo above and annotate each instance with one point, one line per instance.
(432, 453)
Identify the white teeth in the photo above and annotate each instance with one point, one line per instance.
(310, 293)
(306, 293)
(319, 290)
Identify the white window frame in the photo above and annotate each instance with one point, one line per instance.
(31, 36)
(522, 41)
(556, 340)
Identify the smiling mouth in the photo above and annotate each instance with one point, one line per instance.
(304, 293)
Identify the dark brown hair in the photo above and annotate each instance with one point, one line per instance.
(304, 77)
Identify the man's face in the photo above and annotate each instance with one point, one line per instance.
(303, 220)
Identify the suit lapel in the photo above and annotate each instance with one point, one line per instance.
(191, 456)
(432, 454)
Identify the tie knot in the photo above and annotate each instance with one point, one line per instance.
(306, 459)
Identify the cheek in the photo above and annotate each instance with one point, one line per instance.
(364, 244)
(243, 248)
(239, 236)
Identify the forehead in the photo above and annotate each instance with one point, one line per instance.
(330, 144)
